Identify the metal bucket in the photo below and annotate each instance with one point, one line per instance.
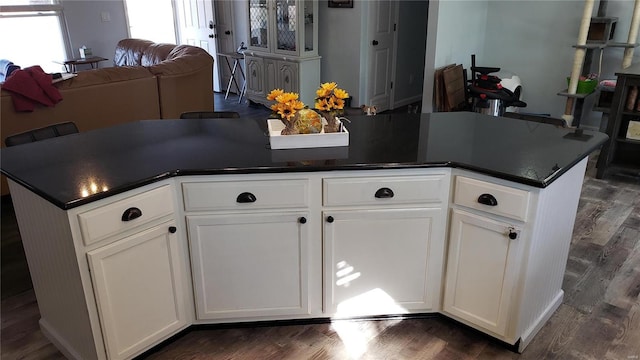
(493, 107)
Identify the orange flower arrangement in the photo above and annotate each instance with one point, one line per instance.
(330, 103)
(287, 104)
(330, 97)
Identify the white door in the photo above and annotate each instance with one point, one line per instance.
(196, 26)
(381, 261)
(250, 265)
(139, 287)
(381, 50)
(225, 41)
(482, 270)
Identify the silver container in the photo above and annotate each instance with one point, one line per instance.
(493, 107)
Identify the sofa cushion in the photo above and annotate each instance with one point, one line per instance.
(183, 59)
(155, 54)
(129, 52)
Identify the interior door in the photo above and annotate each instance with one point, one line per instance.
(382, 14)
(196, 26)
(225, 39)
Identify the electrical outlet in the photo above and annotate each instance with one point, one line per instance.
(106, 16)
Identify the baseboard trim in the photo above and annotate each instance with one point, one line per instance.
(64, 347)
(531, 332)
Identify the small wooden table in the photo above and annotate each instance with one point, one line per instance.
(71, 65)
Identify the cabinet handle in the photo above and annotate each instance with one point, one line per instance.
(487, 199)
(246, 197)
(131, 213)
(330, 219)
(383, 193)
(173, 229)
(513, 234)
(302, 220)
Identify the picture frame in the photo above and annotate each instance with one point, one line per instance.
(633, 130)
(340, 3)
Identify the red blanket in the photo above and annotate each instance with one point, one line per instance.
(30, 87)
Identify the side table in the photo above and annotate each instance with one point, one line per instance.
(72, 65)
(236, 57)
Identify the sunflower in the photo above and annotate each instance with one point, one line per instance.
(340, 94)
(322, 104)
(274, 94)
(286, 103)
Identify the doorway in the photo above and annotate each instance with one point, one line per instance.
(204, 23)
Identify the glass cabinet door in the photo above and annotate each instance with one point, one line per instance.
(259, 24)
(309, 18)
(286, 25)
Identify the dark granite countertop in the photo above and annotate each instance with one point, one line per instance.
(76, 169)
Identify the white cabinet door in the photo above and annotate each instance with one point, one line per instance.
(288, 76)
(139, 290)
(250, 265)
(382, 261)
(482, 269)
(255, 77)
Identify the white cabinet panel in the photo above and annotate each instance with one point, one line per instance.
(482, 270)
(249, 265)
(385, 190)
(382, 261)
(245, 194)
(492, 198)
(255, 77)
(139, 290)
(108, 220)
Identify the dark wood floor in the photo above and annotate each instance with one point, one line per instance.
(599, 318)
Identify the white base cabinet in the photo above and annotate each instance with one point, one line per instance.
(250, 265)
(507, 252)
(384, 242)
(117, 276)
(138, 286)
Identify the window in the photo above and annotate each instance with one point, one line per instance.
(33, 33)
(156, 25)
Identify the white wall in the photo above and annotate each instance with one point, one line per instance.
(412, 34)
(456, 30)
(532, 39)
(339, 38)
(86, 27)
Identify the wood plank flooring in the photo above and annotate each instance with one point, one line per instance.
(599, 317)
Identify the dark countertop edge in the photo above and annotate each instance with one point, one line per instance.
(264, 170)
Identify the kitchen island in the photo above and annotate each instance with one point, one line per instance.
(136, 232)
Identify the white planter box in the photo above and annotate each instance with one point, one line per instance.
(279, 141)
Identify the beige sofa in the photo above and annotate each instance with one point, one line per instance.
(148, 81)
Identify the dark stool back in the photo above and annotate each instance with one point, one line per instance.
(209, 115)
(46, 132)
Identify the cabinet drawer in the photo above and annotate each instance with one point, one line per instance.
(251, 194)
(108, 220)
(509, 202)
(384, 190)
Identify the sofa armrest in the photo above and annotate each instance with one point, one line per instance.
(185, 81)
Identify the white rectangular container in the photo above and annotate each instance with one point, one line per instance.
(279, 141)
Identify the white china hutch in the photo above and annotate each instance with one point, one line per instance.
(282, 51)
